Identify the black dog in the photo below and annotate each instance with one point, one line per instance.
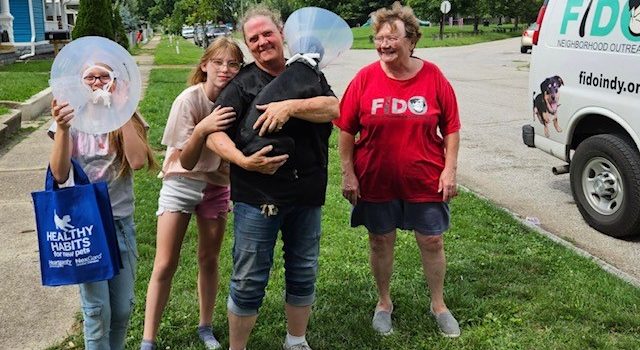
(299, 80)
(545, 104)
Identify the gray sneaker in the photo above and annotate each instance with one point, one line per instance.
(301, 346)
(382, 322)
(447, 323)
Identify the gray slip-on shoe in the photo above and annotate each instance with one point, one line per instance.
(382, 322)
(208, 339)
(447, 323)
(302, 346)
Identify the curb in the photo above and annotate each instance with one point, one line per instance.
(36, 104)
(9, 124)
(25, 111)
(559, 240)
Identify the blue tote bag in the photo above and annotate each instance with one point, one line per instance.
(76, 233)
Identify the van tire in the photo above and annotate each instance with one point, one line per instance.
(608, 167)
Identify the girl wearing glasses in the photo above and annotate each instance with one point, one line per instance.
(111, 157)
(195, 180)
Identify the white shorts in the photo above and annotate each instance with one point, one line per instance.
(180, 194)
(185, 195)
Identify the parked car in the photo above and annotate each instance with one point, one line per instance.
(216, 31)
(526, 41)
(585, 91)
(424, 23)
(187, 32)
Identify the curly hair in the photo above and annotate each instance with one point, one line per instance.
(401, 13)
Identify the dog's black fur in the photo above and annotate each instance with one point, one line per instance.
(545, 104)
(298, 81)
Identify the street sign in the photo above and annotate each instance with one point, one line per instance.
(445, 7)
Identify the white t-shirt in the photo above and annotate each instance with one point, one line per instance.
(188, 109)
(100, 164)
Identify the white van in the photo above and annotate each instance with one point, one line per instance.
(584, 85)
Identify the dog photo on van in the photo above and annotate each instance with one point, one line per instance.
(634, 21)
(545, 104)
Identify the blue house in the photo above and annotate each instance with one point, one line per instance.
(26, 22)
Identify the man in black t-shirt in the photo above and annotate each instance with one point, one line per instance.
(267, 199)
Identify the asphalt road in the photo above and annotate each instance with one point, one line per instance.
(491, 82)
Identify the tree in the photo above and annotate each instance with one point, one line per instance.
(119, 34)
(472, 8)
(426, 9)
(100, 18)
(130, 21)
(141, 8)
(94, 18)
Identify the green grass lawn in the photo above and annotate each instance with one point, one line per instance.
(454, 36)
(509, 287)
(21, 80)
(166, 52)
(3, 110)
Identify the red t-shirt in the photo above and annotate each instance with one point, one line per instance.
(399, 153)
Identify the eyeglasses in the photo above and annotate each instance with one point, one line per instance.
(231, 65)
(390, 39)
(90, 79)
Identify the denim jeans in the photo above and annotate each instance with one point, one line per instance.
(107, 305)
(255, 237)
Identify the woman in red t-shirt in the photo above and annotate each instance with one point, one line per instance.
(400, 173)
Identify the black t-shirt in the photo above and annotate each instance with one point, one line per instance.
(310, 158)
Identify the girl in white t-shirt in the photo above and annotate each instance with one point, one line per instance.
(195, 180)
(111, 157)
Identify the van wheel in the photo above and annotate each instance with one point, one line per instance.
(605, 182)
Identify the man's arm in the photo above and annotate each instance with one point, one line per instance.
(320, 109)
(220, 143)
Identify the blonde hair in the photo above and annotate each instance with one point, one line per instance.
(401, 13)
(218, 47)
(261, 10)
(116, 143)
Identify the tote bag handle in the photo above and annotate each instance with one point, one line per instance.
(79, 177)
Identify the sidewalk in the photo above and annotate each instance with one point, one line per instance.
(33, 316)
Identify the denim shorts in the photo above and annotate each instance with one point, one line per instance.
(185, 195)
(427, 218)
(255, 236)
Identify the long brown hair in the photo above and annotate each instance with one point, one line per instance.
(219, 46)
(116, 143)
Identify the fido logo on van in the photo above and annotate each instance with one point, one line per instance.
(603, 17)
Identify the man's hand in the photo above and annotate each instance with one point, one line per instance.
(259, 162)
(447, 184)
(274, 115)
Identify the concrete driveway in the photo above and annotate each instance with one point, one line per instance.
(491, 82)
